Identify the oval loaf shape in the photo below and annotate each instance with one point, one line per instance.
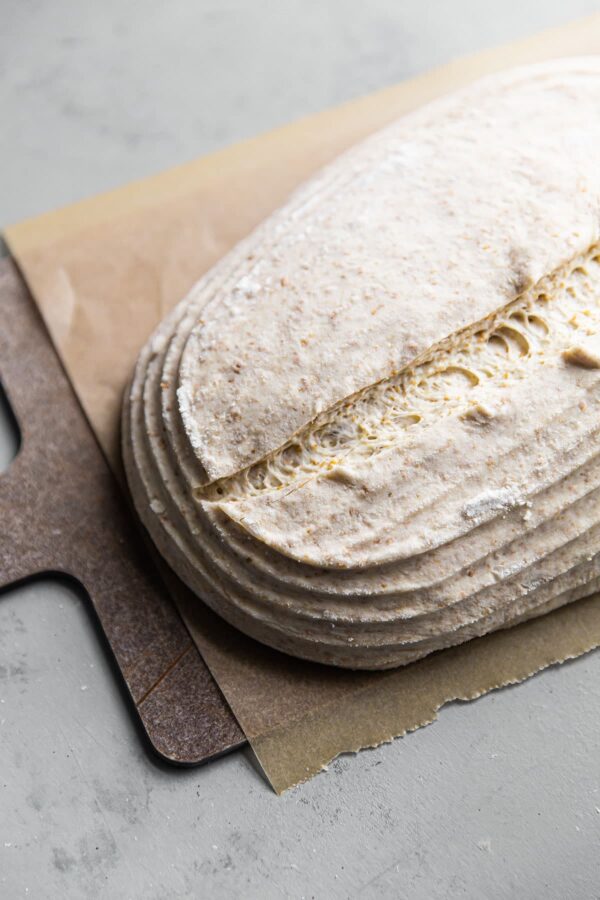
(370, 431)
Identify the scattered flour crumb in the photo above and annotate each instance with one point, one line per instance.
(586, 355)
(503, 500)
(479, 414)
(508, 571)
(248, 286)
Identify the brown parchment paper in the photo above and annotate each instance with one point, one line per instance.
(105, 271)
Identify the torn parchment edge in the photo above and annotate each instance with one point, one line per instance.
(293, 753)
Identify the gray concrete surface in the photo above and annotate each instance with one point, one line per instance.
(501, 797)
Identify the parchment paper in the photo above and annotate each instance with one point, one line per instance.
(105, 271)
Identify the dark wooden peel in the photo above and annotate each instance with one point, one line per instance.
(61, 510)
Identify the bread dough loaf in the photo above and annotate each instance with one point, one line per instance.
(373, 429)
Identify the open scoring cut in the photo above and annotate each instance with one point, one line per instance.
(541, 324)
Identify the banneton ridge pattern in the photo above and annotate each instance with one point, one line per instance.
(372, 431)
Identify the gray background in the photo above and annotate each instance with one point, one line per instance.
(501, 797)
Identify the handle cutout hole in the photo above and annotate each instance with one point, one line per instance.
(10, 434)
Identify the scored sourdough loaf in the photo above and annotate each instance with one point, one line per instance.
(373, 430)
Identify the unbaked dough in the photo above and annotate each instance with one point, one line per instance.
(372, 430)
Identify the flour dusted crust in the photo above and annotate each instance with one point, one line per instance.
(373, 429)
